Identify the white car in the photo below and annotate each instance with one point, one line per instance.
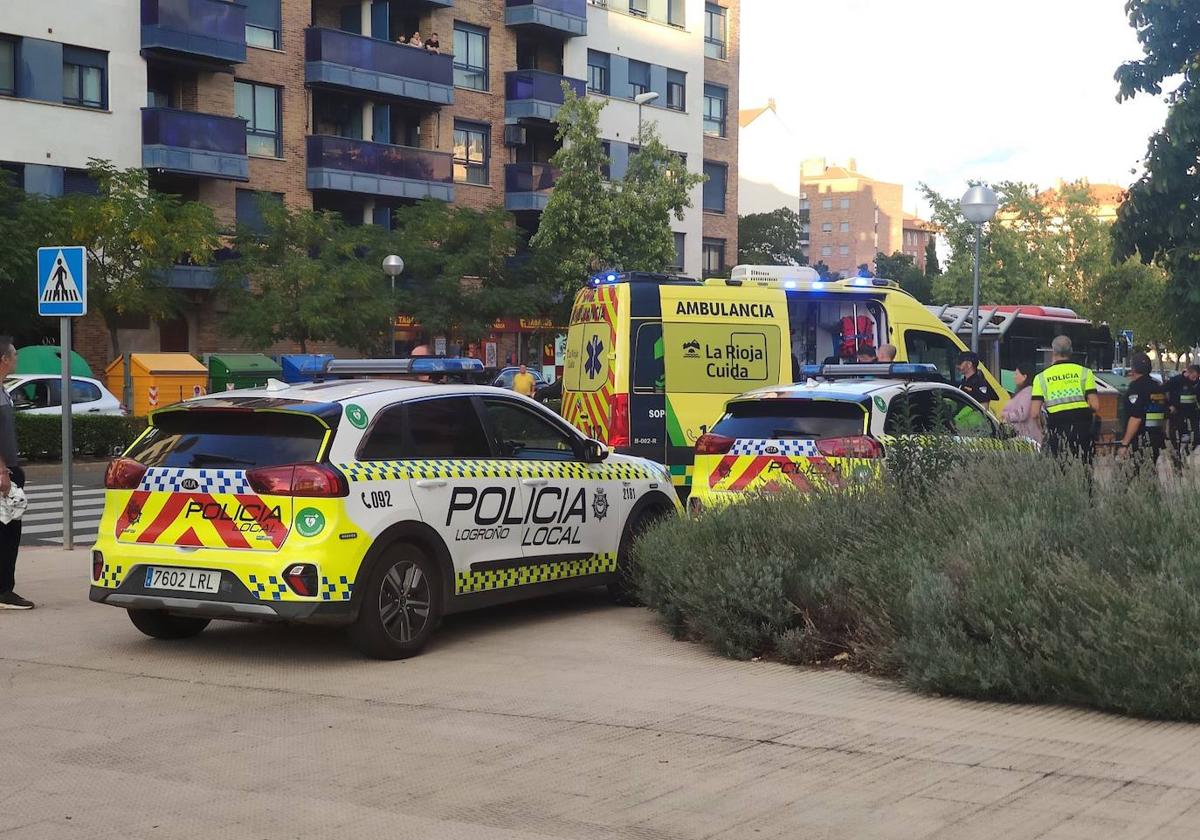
(41, 393)
(377, 504)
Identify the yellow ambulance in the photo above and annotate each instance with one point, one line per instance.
(652, 359)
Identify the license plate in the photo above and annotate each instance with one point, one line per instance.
(183, 580)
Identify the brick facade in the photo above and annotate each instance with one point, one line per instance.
(725, 149)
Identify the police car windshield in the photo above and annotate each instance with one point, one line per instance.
(776, 419)
(197, 439)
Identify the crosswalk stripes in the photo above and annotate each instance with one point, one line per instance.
(43, 519)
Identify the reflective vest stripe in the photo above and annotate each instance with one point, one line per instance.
(1187, 398)
(1068, 390)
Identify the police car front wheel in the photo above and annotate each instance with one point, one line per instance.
(401, 605)
(161, 625)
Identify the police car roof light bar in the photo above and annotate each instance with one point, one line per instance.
(893, 370)
(412, 366)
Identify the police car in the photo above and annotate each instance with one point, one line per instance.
(832, 429)
(381, 505)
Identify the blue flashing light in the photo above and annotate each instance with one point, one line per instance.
(912, 369)
(432, 364)
(810, 371)
(789, 284)
(862, 272)
(602, 277)
(862, 281)
(818, 284)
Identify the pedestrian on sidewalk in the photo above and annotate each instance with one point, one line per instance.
(1145, 428)
(524, 383)
(1018, 412)
(1068, 393)
(10, 474)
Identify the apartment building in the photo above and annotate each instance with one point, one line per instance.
(918, 233)
(320, 103)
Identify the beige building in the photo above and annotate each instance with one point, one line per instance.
(918, 233)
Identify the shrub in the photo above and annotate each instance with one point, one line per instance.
(1013, 577)
(39, 436)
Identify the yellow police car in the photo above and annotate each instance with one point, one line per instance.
(832, 429)
(380, 505)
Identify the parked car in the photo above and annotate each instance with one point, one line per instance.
(37, 393)
(504, 379)
(546, 393)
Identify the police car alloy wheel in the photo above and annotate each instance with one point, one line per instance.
(161, 625)
(401, 606)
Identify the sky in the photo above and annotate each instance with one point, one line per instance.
(940, 91)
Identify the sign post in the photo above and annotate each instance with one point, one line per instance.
(62, 292)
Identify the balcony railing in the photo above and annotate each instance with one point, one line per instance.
(536, 94)
(192, 143)
(529, 177)
(562, 16)
(213, 30)
(341, 163)
(346, 60)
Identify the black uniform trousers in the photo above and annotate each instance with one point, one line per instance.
(1181, 420)
(10, 541)
(1071, 433)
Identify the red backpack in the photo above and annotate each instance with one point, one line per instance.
(857, 336)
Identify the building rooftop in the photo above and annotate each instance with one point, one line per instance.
(749, 115)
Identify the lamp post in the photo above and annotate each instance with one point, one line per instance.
(393, 266)
(979, 204)
(643, 99)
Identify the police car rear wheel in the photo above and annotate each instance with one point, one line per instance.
(161, 625)
(401, 605)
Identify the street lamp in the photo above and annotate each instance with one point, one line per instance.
(979, 205)
(643, 99)
(393, 266)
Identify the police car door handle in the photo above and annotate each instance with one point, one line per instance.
(535, 482)
(430, 483)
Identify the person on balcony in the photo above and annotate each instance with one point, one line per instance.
(433, 44)
(416, 40)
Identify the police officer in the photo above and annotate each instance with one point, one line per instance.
(973, 382)
(1147, 407)
(1182, 390)
(1068, 393)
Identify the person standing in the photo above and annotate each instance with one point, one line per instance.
(1068, 393)
(1182, 391)
(524, 383)
(1147, 410)
(974, 383)
(887, 353)
(1018, 412)
(10, 474)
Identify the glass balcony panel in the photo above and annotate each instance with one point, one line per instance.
(540, 85)
(214, 29)
(529, 177)
(377, 55)
(361, 156)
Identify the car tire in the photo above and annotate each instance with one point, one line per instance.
(160, 625)
(623, 589)
(401, 604)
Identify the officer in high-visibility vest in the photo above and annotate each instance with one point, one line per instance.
(1146, 399)
(1068, 393)
(1182, 391)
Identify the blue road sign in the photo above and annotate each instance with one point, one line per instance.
(1128, 336)
(62, 281)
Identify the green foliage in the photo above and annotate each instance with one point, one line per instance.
(1007, 579)
(824, 271)
(311, 278)
(1160, 219)
(589, 225)
(133, 234)
(932, 267)
(1136, 297)
(771, 238)
(26, 222)
(39, 436)
(902, 268)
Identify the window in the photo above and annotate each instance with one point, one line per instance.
(844, 204)
(826, 250)
(471, 142)
(648, 375)
(78, 182)
(83, 392)
(924, 347)
(844, 250)
(827, 204)
(676, 90)
(715, 97)
(639, 78)
(637, 8)
(248, 205)
(714, 31)
(84, 73)
(962, 417)
(519, 432)
(213, 439)
(844, 227)
(679, 244)
(258, 105)
(791, 419)
(263, 20)
(675, 12)
(448, 427)
(714, 257)
(804, 202)
(470, 56)
(598, 72)
(606, 165)
(714, 187)
(8, 67)
(827, 227)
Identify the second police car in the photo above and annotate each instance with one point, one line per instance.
(377, 504)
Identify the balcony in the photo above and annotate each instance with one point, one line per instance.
(208, 31)
(563, 17)
(196, 277)
(190, 143)
(371, 65)
(536, 94)
(359, 166)
(527, 186)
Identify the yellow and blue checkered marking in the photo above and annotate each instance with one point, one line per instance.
(337, 589)
(487, 580)
(271, 589)
(111, 576)
(483, 468)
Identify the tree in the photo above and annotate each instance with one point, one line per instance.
(932, 267)
(1159, 221)
(307, 276)
(902, 268)
(824, 273)
(589, 225)
(133, 235)
(1135, 297)
(26, 222)
(771, 238)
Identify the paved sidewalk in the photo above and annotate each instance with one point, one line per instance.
(567, 719)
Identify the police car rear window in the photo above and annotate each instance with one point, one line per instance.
(781, 419)
(239, 440)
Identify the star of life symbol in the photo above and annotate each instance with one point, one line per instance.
(592, 365)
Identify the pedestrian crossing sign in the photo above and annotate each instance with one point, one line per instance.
(62, 281)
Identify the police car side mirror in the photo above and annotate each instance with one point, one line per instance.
(594, 452)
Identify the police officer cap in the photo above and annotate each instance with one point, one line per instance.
(968, 356)
(1141, 364)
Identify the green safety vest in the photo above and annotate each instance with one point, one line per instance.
(1064, 387)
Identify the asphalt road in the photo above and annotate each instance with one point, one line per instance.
(43, 521)
(566, 718)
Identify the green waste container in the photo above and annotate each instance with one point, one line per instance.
(228, 371)
(47, 358)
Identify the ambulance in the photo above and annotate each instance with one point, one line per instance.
(652, 359)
